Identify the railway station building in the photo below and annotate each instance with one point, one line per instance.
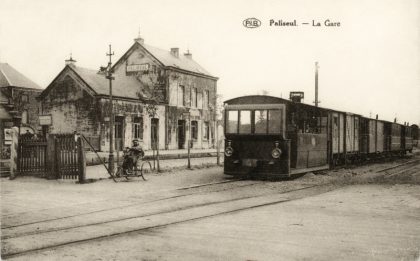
(159, 97)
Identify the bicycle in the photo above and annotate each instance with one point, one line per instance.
(139, 167)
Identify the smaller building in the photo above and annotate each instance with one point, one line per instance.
(18, 103)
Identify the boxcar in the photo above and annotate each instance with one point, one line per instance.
(272, 137)
(337, 136)
(372, 141)
(408, 138)
(415, 134)
(344, 135)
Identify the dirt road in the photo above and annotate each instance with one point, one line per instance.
(315, 217)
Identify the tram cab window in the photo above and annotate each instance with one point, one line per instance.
(245, 122)
(257, 121)
(274, 121)
(232, 122)
(261, 121)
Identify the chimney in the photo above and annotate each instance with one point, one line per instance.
(71, 61)
(139, 39)
(188, 54)
(175, 52)
(296, 96)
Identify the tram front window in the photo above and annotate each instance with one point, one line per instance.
(260, 121)
(232, 122)
(245, 122)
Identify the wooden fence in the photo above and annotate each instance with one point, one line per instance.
(32, 153)
(59, 156)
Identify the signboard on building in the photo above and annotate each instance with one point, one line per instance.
(7, 136)
(45, 120)
(138, 67)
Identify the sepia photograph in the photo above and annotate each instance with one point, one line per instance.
(210, 130)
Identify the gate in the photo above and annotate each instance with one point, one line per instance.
(67, 156)
(59, 156)
(32, 155)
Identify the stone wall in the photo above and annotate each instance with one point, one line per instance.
(72, 108)
(25, 101)
(199, 111)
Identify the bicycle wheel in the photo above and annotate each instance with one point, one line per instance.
(146, 167)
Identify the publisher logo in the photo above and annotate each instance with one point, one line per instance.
(251, 23)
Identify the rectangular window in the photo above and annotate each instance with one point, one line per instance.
(181, 95)
(232, 122)
(206, 99)
(261, 121)
(206, 130)
(24, 98)
(200, 100)
(138, 128)
(194, 97)
(245, 122)
(194, 130)
(274, 121)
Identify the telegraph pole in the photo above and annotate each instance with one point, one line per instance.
(316, 84)
(111, 114)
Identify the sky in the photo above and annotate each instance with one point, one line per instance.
(369, 65)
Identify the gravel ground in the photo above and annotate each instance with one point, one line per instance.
(356, 214)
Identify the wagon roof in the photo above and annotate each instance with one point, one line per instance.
(273, 99)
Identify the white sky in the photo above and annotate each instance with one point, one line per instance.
(371, 64)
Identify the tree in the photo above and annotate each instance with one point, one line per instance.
(217, 112)
(152, 92)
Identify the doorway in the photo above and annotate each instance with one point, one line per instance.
(154, 131)
(181, 134)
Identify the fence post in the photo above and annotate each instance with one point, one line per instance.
(81, 160)
(51, 157)
(14, 148)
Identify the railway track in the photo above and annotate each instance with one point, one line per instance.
(37, 238)
(147, 198)
(160, 209)
(406, 168)
(146, 194)
(401, 165)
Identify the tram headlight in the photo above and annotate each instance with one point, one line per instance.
(276, 153)
(228, 151)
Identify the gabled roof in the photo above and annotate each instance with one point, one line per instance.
(9, 76)
(127, 87)
(124, 87)
(167, 59)
(182, 62)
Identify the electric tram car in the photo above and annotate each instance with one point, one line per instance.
(271, 137)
